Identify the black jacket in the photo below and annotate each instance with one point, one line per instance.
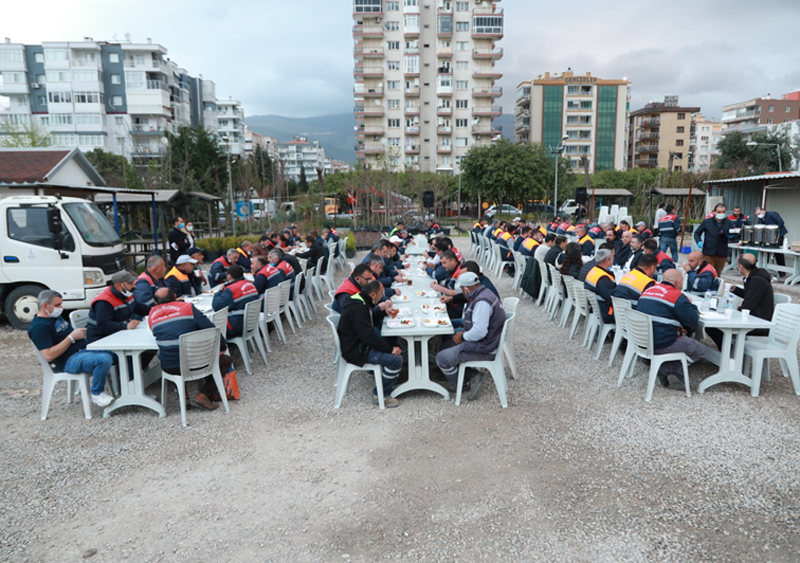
(622, 254)
(552, 254)
(178, 244)
(757, 294)
(356, 330)
(716, 239)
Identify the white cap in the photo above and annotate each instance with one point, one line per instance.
(517, 218)
(183, 259)
(467, 279)
(396, 240)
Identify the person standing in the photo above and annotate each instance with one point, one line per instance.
(660, 212)
(189, 231)
(739, 220)
(765, 217)
(668, 228)
(64, 347)
(178, 241)
(715, 242)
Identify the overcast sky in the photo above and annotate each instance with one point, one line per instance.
(294, 58)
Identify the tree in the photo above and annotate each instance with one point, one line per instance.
(302, 184)
(193, 161)
(115, 169)
(736, 154)
(29, 135)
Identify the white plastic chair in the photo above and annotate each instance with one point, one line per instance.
(308, 291)
(79, 318)
(293, 305)
(220, 320)
(331, 257)
(496, 368)
(50, 378)
(640, 345)
(286, 288)
(581, 309)
(473, 244)
(777, 298)
(558, 292)
(781, 344)
(510, 306)
(272, 303)
(333, 320)
(344, 370)
(621, 308)
(545, 287)
(250, 335)
(497, 262)
(520, 263)
(597, 327)
(569, 301)
(199, 354)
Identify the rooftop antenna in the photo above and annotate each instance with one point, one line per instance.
(128, 37)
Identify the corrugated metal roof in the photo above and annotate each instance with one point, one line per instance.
(679, 191)
(611, 192)
(774, 176)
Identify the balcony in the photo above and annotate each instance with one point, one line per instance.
(368, 71)
(412, 149)
(372, 130)
(371, 93)
(522, 125)
(524, 101)
(411, 72)
(646, 136)
(492, 92)
(445, 53)
(441, 110)
(493, 54)
(368, 31)
(444, 130)
(646, 149)
(653, 122)
(411, 111)
(492, 73)
(410, 32)
(445, 69)
(444, 91)
(488, 111)
(486, 130)
(444, 149)
(645, 161)
(414, 130)
(368, 111)
(368, 53)
(370, 11)
(146, 130)
(377, 149)
(413, 92)
(486, 32)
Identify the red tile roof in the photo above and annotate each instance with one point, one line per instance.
(26, 166)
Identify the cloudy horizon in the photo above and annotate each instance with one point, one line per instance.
(295, 59)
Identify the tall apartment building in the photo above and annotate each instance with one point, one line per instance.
(302, 153)
(591, 112)
(118, 96)
(661, 129)
(706, 134)
(425, 81)
(230, 119)
(754, 115)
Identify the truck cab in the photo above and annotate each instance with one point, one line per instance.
(52, 242)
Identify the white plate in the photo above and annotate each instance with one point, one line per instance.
(400, 323)
(435, 323)
(401, 298)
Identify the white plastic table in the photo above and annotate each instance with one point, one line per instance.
(416, 249)
(417, 337)
(733, 328)
(766, 260)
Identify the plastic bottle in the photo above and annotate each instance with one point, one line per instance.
(706, 301)
(660, 277)
(730, 303)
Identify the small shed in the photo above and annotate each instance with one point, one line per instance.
(611, 196)
(679, 196)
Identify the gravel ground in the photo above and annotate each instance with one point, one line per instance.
(574, 470)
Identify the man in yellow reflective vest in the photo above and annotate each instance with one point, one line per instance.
(600, 281)
(633, 283)
(586, 241)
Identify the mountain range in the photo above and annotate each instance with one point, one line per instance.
(334, 132)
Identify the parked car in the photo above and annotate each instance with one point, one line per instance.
(539, 208)
(506, 209)
(569, 207)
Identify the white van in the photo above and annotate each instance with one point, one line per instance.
(53, 242)
(569, 207)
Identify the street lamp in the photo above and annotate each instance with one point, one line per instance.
(557, 151)
(228, 159)
(777, 149)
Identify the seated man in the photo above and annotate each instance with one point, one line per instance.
(198, 277)
(287, 264)
(633, 283)
(433, 228)
(115, 309)
(354, 283)
(757, 296)
(329, 235)
(237, 293)
(179, 277)
(506, 241)
(447, 286)
(558, 248)
(149, 281)
(673, 315)
(523, 233)
(601, 282)
(479, 226)
(636, 252)
(316, 254)
(435, 268)
(65, 348)
(700, 275)
(456, 296)
(360, 344)
(585, 240)
(641, 229)
(484, 319)
(587, 266)
(625, 251)
(399, 226)
(265, 275)
(219, 268)
(168, 320)
(243, 259)
(261, 248)
(650, 246)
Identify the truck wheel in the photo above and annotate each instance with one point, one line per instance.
(21, 305)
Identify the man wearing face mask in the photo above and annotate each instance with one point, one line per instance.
(715, 242)
(764, 217)
(178, 241)
(179, 279)
(115, 308)
(65, 347)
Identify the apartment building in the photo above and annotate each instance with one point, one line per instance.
(661, 129)
(754, 115)
(706, 134)
(591, 112)
(230, 120)
(117, 96)
(300, 153)
(425, 73)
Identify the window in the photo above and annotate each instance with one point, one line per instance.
(42, 100)
(88, 119)
(119, 121)
(135, 79)
(487, 24)
(393, 6)
(59, 97)
(585, 149)
(412, 22)
(462, 6)
(87, 97)
(116, 79)
(367, 6)
(394, 104)
(393, 45)
(771, 108)
(679, 143)
(572, 135)
(56, 54)
(394, 141)
(572, 120)
(410, 103)
(411, 122)
(461, 123)
(394, 123)
(411, 3)
(788, 109)
(113, 57)
(15, 119)
(31, 225)
(462, 104)
(445, 141)
(90, 140)
(116, 101)
(462, 65)
(63, 139)
(392, 84)
(585, 135)
(586, 120)
(461, 141)
(11, 56)
(704, 139)
(87, 75)
(681, 116)
(412, 64)
(462, 45)
(14, 77)
(462, 26)
(393, 65)
(59, 76)
(61, 119)
(92, 224)
(41, 79)
(586, 105)
(462, 84)
(571, 149)
(444, 81)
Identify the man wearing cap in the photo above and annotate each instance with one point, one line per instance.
(641, 228)
(237, 293)
(484, 319)
(115, 308)
(178, 279)
(149, 281)
(220, 267)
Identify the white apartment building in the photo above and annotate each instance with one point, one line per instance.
(425, 81)
(302, 153)
(117, 96)
(230, 116)
(705, 134)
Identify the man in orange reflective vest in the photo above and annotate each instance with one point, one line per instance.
(178, 278)
(633, 283)
(585, 240)
(600, 281)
